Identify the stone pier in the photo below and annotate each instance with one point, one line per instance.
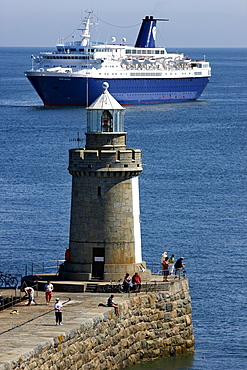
(151, 325)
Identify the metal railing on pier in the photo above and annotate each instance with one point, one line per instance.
(43, 267)
(9, 300)
(154, 266)
(10, 297)
(52, 267)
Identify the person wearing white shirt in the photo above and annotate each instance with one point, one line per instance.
(30, 293)
(48, 291)
(58, 311)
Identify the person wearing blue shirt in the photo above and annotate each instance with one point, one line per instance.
(110, 303)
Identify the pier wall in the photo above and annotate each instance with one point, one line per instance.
(151, 325)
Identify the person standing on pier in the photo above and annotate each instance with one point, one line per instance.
(48, 291)
(165, 268)
(58, 311)
(171, 264)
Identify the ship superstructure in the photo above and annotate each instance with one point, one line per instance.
(141, 74)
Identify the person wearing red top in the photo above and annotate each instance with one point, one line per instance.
(136, 280)
(165, 268)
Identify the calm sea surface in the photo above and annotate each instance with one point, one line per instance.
(193, 192)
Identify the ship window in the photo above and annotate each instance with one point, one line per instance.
(128, 51)
(162, 51)
(133, 51)
(149, 51)
(157, 51)
(81, 49)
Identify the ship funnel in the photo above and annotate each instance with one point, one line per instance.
(147, 34)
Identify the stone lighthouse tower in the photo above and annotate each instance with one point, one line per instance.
(105, 236)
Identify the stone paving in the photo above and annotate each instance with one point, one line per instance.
(35, 324)
(20, 333)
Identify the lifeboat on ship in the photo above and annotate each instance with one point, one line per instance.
(126, 62)
(141, 60)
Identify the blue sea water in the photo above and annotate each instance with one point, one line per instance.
(192, 192)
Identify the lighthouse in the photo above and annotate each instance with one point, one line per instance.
(105, 233)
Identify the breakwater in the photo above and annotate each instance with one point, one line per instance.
(152, 325)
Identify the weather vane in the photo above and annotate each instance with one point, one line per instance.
(78, 139)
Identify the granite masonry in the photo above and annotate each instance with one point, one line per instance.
(151, 325)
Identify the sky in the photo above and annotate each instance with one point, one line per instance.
(192, 23)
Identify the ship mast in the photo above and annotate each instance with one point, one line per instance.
(85, 34)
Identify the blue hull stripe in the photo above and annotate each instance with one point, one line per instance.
(81, 91)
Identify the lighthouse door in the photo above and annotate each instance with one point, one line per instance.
(98, 263)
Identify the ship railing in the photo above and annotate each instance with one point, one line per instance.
(47, 52)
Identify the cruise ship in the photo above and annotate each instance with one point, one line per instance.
(74, 72)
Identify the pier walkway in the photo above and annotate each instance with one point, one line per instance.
(21, 333)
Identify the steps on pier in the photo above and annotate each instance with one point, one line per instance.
(91, 287)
